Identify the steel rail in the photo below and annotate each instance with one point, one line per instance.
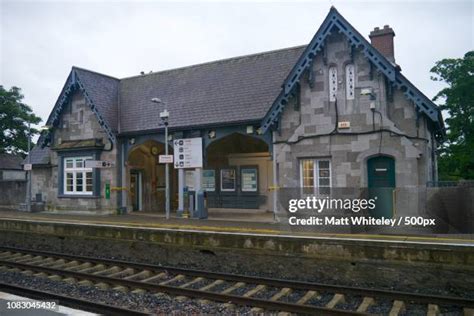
(218, 297)
(281, 283)
(69, 301)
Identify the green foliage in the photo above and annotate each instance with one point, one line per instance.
(456, 160)
(14, 119)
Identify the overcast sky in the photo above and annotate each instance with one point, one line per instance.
(42, 40)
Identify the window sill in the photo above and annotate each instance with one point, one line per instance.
(78, 196)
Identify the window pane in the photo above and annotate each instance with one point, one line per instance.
(324, 164)
(324, 182)
(69, 163)
(79, 163)
(308, 173)
(79, 180)
(69, 182)
(89, 181)
(324, 173)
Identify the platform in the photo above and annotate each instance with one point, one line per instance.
(236, 222)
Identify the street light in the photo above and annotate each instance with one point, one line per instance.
(164, 116)
(28, 193)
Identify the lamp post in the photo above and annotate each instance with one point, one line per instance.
(164, 116)
(28, 193)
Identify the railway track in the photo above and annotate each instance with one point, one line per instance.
(263, 294)
(69, 301)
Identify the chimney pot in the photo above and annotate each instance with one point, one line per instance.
(382, 40)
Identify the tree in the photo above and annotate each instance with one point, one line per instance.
(456, 160)
(14, 119)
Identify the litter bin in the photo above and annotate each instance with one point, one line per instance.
(201, 207)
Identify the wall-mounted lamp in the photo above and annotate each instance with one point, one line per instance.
(369, 92)
(131, 141)
(211, 134)
(249, 129)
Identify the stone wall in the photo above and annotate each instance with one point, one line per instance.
(305, 128)
(77, 122)
(12, 193)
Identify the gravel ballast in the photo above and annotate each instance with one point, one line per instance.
(156, 304)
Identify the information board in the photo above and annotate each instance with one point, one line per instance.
(188, 153)
(249, 179)
(227, 179)
(209, 180)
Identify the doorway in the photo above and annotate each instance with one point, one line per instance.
(136, 190)
(381, 182)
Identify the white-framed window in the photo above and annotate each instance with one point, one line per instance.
(350, 81)
(315, 176)
(77, 178)
(332, 83)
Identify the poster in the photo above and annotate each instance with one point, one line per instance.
(209, 180)
(228, 179)
(249, 180)
(189, 179)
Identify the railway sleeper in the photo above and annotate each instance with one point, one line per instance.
(179, 277)
(433, 310)
(309, 295)
(159, 276)
(337, 299)
(397, 308)
(255, 290)
(194, 281)
(233, 287)
(468, 311)
(366, 303)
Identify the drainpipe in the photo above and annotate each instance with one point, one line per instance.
(275, 182)
(122, 168)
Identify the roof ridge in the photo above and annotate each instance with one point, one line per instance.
(216, 61)
(95, 72)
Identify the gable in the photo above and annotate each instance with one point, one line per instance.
(335, 22)
(100, 94)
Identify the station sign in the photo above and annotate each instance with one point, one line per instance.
(99, 164)
(165, 159)
(188, 153)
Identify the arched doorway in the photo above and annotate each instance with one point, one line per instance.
(381, 183)
(242, 171)
(146, 178)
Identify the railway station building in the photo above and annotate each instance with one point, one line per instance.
(334, 113)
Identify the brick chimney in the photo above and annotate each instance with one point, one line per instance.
(382, 40)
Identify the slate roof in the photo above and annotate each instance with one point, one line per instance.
(10, 162)
(231, 90)
(39, 156)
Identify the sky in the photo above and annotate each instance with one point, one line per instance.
(41, 40)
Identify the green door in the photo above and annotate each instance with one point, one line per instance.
(381, 182)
